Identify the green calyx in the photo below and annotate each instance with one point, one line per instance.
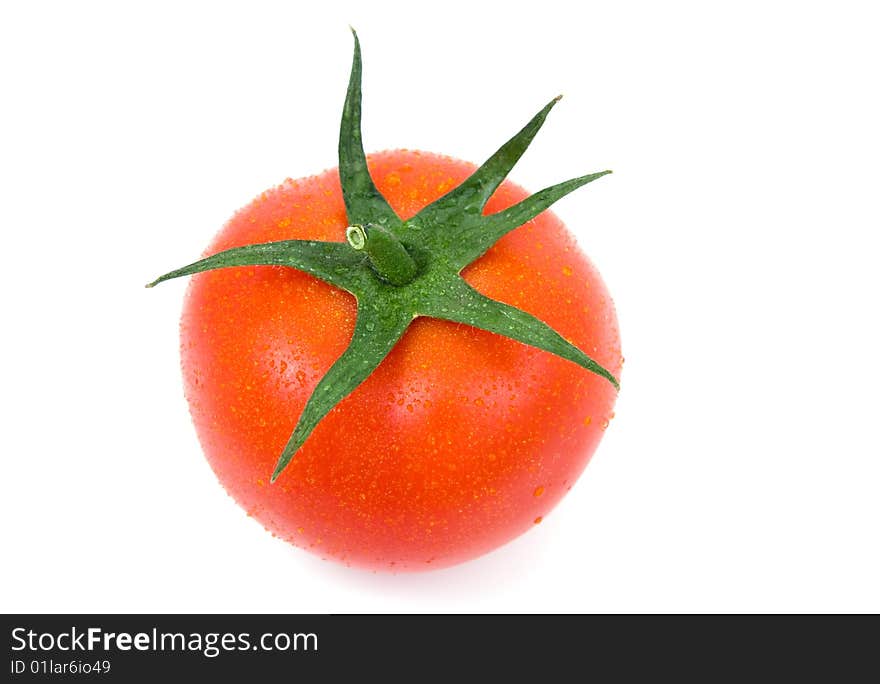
(399, 270)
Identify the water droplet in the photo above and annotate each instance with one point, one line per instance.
(566, 270)
(588, 420)
(539, 490)
(539, 519)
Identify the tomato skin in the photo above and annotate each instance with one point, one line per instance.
(460, 441)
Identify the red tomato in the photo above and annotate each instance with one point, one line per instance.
(460, 440)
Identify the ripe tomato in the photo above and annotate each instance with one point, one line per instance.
(460, 440)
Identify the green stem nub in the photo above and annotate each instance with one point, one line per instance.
(387, 255)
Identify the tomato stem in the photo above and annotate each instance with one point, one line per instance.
(386, 253)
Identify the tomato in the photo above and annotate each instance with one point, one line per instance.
(458, 442)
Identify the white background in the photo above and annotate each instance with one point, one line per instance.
(738, 236)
